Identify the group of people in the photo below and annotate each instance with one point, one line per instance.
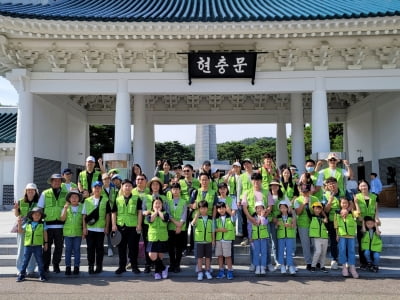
(177, 212)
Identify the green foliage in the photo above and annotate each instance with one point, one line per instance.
(174, 151)
(101, 139)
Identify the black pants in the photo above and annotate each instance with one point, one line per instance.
(95, 248)
(129, 238)
(363, 260)
(145, 230)
(176, 245)
(332, 240)
(54, 235)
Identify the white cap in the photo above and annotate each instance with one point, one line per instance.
(90, 158)
(259, 203)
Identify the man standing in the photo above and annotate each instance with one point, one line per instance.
(376, 184)
(88, 176)
(127, 219)
(52, 201)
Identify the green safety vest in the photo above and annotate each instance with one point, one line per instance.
(303, 221)
(317, 228)
(347, 227)
(367, 210)
(275, 209)
(232, 185)
(203, 233)
(339, 177)
(266, 177)
(210, 196)
(25, 207)
(111, 197)
(334, 206)
(161, 175)
(53, 206)
(288, 192)
(84, 181)
(73, 222)
(285, 232)
(251, 200)
(175, 212)
(374, 244)
(34, 237)
(229, 225)
(259, 232)
(246, 183)
(185, 188)
(74, 186)
(158, 230)
(89, 205)
(127, 214)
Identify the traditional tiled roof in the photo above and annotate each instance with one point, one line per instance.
(8, 127)
(200, 10)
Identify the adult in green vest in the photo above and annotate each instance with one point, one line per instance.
(21, 209)
(333, 171)
(96, 219)
(165, 175)
(268, 171)
(244, 184)
(52, 202)
(177, 211)
(302, 206)
(108, 192)
(158, 237)
(366, 204)
(72, 215)
(331, 203)
(371, 243)
(127, 219)
(67, 181)
(89, 175)
(319, 235)
(288, 185)
(35, 238)
(231, 180)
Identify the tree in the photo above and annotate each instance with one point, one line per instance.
(231, 151)
(101, 139)
(174, 151)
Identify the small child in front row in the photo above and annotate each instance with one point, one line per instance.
(346, 231)
(72, 215)
(204, 239)
(259, 238)
(286, 235)
(224, 235)
(371, 243)
(319, 234)
(35, 241)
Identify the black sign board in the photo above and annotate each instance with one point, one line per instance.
(222, 65)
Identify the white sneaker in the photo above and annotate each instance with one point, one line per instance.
(208, 275)
(283, 269)
(258, 270)
(292, 270)
(200, 276)
(334, 265)
(252, 268)
(278, 267)
(270, 268)
(110, 253)
(262, 270)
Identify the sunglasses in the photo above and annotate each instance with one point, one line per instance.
(332, 159)
(186, 171)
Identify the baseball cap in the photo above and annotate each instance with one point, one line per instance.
(90, 158)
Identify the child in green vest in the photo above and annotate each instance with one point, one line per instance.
(158, 237)
(225, 234)
(371, 243)
(286, 234)
(72, 216)
(319, 235)
(346, 230)
(259, 237)
(204, 238)
(34, 240)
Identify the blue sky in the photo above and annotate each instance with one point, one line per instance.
(163, 133)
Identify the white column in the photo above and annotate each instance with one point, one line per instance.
(298, 149)
(374, 138)
(213, 142)
(319, 118)
(23, 172)
(281, 143)
(139, 137)
(202, 149)
(122, 143)
(150, 156)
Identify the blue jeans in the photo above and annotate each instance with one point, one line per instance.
(38, 253)
(347, 250)
(260, 252)
(272, 244)
(286, 244)
(20, 255)
(72, 244)
(375, 257)
(239, 221)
